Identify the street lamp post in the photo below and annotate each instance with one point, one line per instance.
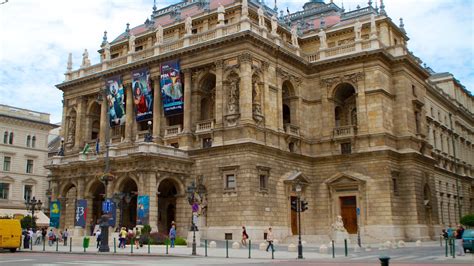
(298, 209)
(61, 148)
(149, 136)
(191, 190)
(31, 205)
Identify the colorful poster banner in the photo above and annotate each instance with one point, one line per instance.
(55, 214)
(115, 100)
(109, 207)
(143, 209)
(81, 213)
(171, 88)
(142, 94)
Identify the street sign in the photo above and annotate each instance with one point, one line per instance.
(107, 206)
(358, 211)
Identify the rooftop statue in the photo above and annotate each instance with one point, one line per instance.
(322, 39)
(261, 17)
(294, 36)
(85, 59)
(357, 29)
(159, 34)
(188, 25)
(131, 43)
(274, 24)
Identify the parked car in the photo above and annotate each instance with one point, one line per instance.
(468, 240)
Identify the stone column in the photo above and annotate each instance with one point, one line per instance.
(157, 108)
(219, 101)
(64, 123)
(245, 88)
(80, 123)
(103, 122)
(128, 113)
(187, 101)
(150, 189)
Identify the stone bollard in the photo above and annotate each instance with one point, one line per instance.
(401, 244)
(368, 248)
(262, 246)
(303, 242)
(275, 241)
(394, 245)
(387, 244)
(418, 243)
(291, 248)
(356, 249)
(382, 246)
(235, 245)
(323, 249)
(213, 244)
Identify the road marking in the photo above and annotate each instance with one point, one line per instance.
(7, 261)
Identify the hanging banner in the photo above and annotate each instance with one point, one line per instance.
(171, 88)
(116, 100)
(55, 214)
(142, 94)
(81, 213)
(143, 209)
(109, 207)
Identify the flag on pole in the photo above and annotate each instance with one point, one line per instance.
(86, 149)
(97, 146)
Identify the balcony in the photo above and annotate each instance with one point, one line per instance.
(344, 132)
(172, 131)
(292, 130)
(205, 126)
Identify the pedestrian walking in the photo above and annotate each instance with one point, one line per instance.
(459, 243)
(51, 237)
(98, 237)
(38, 237)
(65, 236)
(43, 234)
(137, 237)
(244, 236)
(270, 239)
(26, 239)
(122, 237)
(172, 235)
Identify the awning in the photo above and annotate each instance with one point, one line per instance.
(42, 219)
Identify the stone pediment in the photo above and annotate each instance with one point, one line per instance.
(7, 179)
(347, 177)
(294, 176)
(29, 181)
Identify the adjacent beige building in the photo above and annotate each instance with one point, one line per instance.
(24, 152)
(329, 98)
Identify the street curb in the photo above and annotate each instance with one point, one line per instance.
(111, 253)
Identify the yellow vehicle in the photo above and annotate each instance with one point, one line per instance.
(10, 234)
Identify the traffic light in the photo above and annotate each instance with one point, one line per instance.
(304, 205)
(294, 204)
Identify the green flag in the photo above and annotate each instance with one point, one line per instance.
(86, 149)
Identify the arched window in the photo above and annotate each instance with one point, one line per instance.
(345, 111)
(287, 92)
(11, 138)
(5, 137)
(28, 141)
(33, 141)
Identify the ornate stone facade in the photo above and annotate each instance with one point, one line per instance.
(346, 116)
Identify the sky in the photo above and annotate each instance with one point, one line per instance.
(36, 37)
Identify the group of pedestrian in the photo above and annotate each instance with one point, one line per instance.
(457, 234)
(130, 234)
(269, 238)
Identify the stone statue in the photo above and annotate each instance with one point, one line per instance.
(322, 39)
(261, 17)
(245, 9)
(159, 34)
(107, 52)
(294, 36)
(233, 105)
(188, 25)
(357, 29)
(131, 43)
(71, 131)
(85, 59)
(274, 24)
(220, 14)
(338, 225)
(373, 27)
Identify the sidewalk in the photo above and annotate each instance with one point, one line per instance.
(430, 250)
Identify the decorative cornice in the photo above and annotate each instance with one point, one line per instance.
(352, 78)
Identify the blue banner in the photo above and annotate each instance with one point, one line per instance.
(171, 88)
(142, 94)
(143, 209)
(81, 213)
(109, 207)
(115, 101)
(55, 214)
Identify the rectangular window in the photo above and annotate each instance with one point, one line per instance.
(395, 186)
(6, 163)
(230, 181)
(207, 142)
(114, 56)
(413, 90)
(29, 166)
(138, 48)
(28, 192)
(263, 182)
(4, 188)
(346, 148)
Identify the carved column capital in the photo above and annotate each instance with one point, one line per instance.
(219, 63)
(245, 58)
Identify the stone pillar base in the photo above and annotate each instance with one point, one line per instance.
(189, 240)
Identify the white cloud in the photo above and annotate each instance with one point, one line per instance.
(36, 36)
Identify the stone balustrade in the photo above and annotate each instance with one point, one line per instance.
(292, 130)
(172, 131)
(344, 131)
(205, 126)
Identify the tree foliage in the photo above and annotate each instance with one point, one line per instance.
(26, 222)
(468, 220)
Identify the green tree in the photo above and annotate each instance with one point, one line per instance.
(468, 220)
(26, 222)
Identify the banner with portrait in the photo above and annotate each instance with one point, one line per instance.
(143, 209)
(142, 94)
(55, 214)
(81, 213)
(109, 207)
(171, 88)
(115, 94)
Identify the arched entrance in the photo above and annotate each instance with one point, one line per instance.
(97, 196)
(68, 208)
(167, 192)
(127, 203)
